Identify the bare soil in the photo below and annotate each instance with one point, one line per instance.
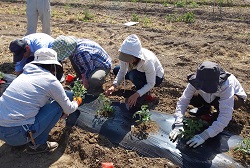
(218, 34)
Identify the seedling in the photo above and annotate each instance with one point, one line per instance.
(244, 146)
(144, 115)
(145, 125)
(78, 89)
(105, 109)
(192, 127)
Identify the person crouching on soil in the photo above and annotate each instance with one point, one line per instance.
(89, 60)
(26, 114)
(140, 66)
(23, 49)
(209, 86)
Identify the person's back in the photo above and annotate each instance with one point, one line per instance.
(38, 40)
(89, 60)
(23, 49)
(27, 93)
(92, 55)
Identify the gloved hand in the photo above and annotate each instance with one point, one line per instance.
(176, 132)
(78, 100)
(195, 141)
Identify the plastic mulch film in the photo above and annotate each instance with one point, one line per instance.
(213, 153)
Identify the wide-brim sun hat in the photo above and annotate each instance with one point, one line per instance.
(131, 47)
(45, 56)
(209, 77)
(64, 46)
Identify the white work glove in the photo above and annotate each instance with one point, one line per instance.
(176, 132)
(195, 141)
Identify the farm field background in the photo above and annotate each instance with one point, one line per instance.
(181, 33)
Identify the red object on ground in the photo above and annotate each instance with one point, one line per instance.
(107, 165)
(207, 117)
(2, 81)
(149, 98)
(70, 78)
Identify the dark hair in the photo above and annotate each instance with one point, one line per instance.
(51, 68)
(137, 61)
(48, 67)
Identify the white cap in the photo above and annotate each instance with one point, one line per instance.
(46, 56)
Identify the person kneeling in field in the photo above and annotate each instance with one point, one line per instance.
(23, 49)
(138, 65)
(209, 86)
(89, 60)
(26, 114)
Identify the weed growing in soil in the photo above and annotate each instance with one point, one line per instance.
(187, 17)
(105, 109)
(135, 17)
(191, 127)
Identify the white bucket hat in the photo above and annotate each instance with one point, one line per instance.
(130, 47)
(46, 56)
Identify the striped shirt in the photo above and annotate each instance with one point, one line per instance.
(89, 55)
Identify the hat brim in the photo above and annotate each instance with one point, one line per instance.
(125, 57)
(206, 86)
(46, 62)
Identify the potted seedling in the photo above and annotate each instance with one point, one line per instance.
(144, 124)
(78, 89)
(192, 126)
(104, 106)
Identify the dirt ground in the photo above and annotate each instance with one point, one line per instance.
(218, 34)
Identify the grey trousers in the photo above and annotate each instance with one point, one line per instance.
(35, 9)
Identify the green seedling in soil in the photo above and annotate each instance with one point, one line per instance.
(191, 127)
(144, 115)
(244, 146)
(78, 89)
(105, 109)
